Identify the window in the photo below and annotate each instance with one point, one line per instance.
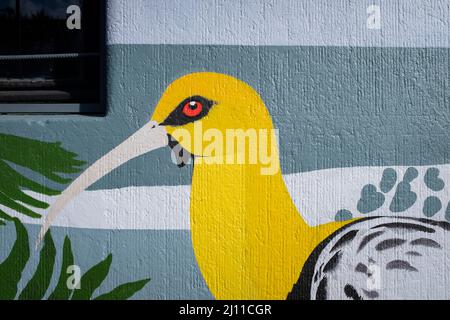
(51, 56)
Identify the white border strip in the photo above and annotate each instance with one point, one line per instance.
(403, 23)
(318, 195)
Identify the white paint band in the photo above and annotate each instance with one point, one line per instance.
(317, 194)
(392, 23)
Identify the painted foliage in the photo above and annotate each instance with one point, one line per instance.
(46, 161)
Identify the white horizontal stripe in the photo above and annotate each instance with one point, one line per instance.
(157, 207)
(404, 23)
(318, 195)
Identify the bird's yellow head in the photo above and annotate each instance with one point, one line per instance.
(205, 107)
(220, 101)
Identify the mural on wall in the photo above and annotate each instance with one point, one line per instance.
(260, 158)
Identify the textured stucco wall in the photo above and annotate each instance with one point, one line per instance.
(348, 101)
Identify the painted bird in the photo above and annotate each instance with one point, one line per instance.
(249, 240)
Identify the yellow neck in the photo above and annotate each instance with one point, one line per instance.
(249, 239)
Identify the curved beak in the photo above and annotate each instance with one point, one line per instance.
(148, 138)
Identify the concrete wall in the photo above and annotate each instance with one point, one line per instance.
(349, 102)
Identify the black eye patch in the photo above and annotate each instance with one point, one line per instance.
(189, 110)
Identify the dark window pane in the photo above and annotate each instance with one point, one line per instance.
(8, 27)
(44, 27)
(45, 58)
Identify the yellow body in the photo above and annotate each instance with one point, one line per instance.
(249, 239)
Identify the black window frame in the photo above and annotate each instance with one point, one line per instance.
(57, 108)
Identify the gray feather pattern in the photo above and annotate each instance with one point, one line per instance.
(385, 258)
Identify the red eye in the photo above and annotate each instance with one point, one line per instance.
(192, 108)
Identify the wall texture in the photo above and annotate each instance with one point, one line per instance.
(363, 119)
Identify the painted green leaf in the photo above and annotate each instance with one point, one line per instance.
(12, 267)
(62, 292)
(10, 203)
(92, 279)
(43, 158)
(46, 158)
(38, 285)
(124, 291)
(13, 181)
(5, 216)
(12, 178)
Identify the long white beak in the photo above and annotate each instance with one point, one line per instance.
(150, 137)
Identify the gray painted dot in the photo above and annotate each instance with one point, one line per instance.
(426, 243)
(388, 180)
(413, 253)
(343, 215)
(432, 179)
(389, 243)
(404, 198)
(400, 264)
(371, 294)
(362, 268)
(370, 199)
(410, 174)
(431, 206)
(447, 212)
